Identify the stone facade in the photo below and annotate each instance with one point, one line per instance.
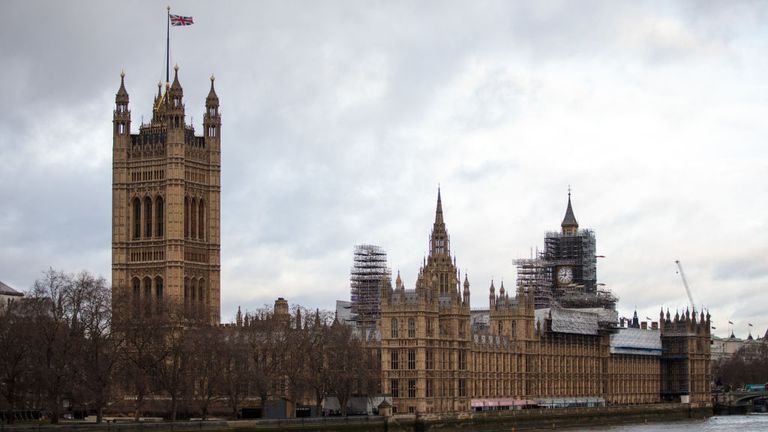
(166, 185)
(434, 360)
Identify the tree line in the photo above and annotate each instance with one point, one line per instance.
(748, 365)
(68, 344)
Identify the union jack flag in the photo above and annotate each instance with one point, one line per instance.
(178, 20)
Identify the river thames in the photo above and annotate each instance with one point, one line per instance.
(740, 423)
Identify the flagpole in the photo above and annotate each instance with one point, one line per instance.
(167, 43)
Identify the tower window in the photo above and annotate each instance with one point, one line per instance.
(394, 327)
(201, 291)
(148, 217)
(147, 290)
(200, 220)
(395, 388)
(411, 328)
(193, 219)
(159, 292)
(411, 359)
(186, 217)
(394, 360)
(159, 209)
(136, 218)
(136, 290)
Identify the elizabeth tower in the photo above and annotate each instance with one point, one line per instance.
(166, 186)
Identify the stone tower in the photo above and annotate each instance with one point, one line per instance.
(425, 333)
(166, 186)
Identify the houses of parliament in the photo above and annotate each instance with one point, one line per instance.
(553, 340)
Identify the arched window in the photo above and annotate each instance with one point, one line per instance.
(193, 291)
(186, 217)
(201, 291)
(186, 293)
(159, 288)
(193, 219)
(148, 217)
(136, 218)
(160, 216)
(394, 327)
(159, 292)
(148, 289)
(136, 290)
(201, 220)
(411, 328)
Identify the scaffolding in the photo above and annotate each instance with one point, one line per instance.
(366, 275)
(534, 275)
(576, 252)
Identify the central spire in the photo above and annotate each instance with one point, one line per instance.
(439, 242)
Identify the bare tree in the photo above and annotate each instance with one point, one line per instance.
(15, 357)
(54, 305)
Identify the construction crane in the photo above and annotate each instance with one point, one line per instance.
(685, 282)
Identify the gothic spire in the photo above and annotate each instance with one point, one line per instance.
(439, 241)
(569, 224)
(122, 94)
(213, 98)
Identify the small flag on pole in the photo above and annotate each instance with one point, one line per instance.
(178, 20)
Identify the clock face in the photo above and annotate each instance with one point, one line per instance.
(564, 275)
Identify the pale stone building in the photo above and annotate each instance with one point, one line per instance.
(438, 356)
(166, 185)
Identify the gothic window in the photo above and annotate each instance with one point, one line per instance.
(148, 217)
(394, 360)
(395, 387)
(201, 290)
(136, 290)
(430, 359)
(429, 327)
(147, 289)
(136, 218)
(160, 217)
(159, 288)
(186, 293)
(394, 327)
(411, 328)
(411, 359)
(463, 387)
(412, 388)
(429, 388)
(201, 220)
(501, 327)
(193, 219)
(186, 217)
(462, 360)
(193, 289)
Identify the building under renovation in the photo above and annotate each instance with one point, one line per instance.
(366, 275)
(554, 342)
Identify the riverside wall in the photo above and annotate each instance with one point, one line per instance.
(516, 420)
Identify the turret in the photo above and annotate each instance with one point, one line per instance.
(492, 296)
(466, 290)
(212, 118)
(122, 116)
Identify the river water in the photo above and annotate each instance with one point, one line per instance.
(737, 423)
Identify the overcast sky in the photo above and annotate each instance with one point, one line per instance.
(340, 119)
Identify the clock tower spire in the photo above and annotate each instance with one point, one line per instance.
(569, 225)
